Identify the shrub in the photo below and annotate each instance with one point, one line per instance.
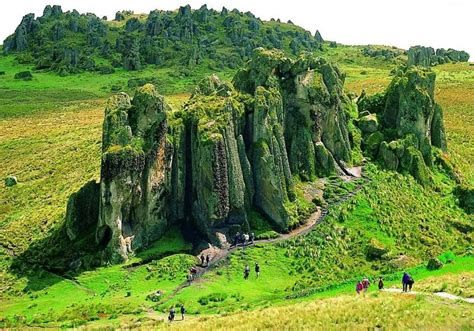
(213, 297)
(24, 75)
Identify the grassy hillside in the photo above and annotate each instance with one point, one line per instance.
(50, 134)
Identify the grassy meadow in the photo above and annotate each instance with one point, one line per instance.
(50, 138)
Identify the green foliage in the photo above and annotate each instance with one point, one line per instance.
(24, 75)
(69, 42)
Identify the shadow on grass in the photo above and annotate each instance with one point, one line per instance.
(57, 258)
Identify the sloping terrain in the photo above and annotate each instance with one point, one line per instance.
(50, 138)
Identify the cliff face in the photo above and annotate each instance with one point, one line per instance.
(136, 173)
(231, 148)
(404, 124)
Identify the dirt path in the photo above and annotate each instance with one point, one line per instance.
(219, 254)
(443, 295)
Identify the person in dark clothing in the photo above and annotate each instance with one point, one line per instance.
(257, 269)
(405, 280)
(183, 311)
(202, 260)
(380, 283)
(410, 283)
(236, 238)
(246, 272)
(208, 258)
(193, 272)
(189, 278)
(171, 315)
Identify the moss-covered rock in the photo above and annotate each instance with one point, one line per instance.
(135, 175)
(368, 124)
(411, 124)
(375, 249)
(83, 211)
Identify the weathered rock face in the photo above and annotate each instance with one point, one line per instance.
(216, 188)
(427, 56)
(135, 174)
(230, 149)
(409, 124)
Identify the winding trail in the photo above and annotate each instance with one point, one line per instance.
(443, 295)
(314, 219)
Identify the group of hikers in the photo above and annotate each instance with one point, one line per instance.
(247, 271)
(173, 313)
(243, 239)
(193, 270)
(363, 285)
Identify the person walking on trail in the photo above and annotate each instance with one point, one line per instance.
(183, 311)
(410, 282)
(208, 258)
(359, 287)
(193, 272)
(202, 260)
(245, 238)
(236, 239)
(189, 278)
(252, 237)
(257, 269)
(405, 280)
(365, 284)
(381, 283)
(246, 272)
(171, 315)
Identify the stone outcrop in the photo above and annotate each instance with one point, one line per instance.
(135, 173)
(406, 122)
(427, 56)
(231, 148)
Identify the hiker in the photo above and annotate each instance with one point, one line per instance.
(365, 284)
(380, 283)
(193, 272)
(189, 278)
(208, 258)
(236, 238)
(183, 311)
(257, 269)
(252, 237)
(405, 280)
(245, 238)
(202, 260)
(359, 287)
(246, 272)
(410, 282)
(171, 315)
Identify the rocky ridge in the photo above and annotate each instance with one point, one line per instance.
(238, 147)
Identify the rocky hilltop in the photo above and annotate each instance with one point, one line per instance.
(237, 147)
(70, 42)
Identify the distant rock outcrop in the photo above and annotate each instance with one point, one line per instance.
(404, 124)
(427, 56)
(230, 149)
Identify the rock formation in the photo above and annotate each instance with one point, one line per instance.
(231, 148)
(174, 38)
(427, 56)
(404, 124)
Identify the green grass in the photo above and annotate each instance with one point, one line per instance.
(50, 134)
(415, 223)
(48, 299)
